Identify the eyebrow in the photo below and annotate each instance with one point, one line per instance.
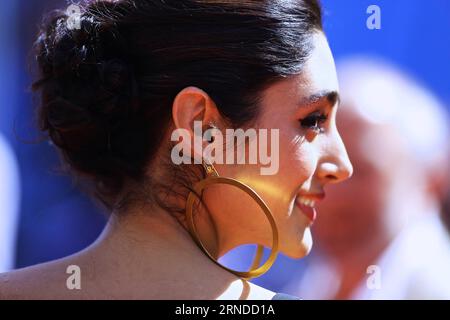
(331, 96)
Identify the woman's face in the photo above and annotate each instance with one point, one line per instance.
(311, 155)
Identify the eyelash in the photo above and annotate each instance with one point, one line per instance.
(314, 122)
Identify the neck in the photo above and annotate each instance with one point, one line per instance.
(156, 245)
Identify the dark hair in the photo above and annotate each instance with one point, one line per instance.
(107, 87)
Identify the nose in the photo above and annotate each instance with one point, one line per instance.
(335, 165)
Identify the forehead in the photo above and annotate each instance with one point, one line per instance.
(318, 77)
(319, 73)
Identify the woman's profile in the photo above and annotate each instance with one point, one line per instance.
(127, 83)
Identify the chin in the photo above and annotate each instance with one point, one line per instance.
(301, 247)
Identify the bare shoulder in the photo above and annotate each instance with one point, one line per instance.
(43, 281)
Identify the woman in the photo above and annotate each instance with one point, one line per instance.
(120, 79)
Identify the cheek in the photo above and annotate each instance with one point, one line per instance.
(297, 166)
(298, 163)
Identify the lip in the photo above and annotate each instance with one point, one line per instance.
(309, 212)
(313, 196)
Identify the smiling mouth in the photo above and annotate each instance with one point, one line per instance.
(307, 204)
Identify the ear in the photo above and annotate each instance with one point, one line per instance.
(193, 104)
(189, 106)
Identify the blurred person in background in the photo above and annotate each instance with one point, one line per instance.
(9, 205)
(9, 176)
(379, 235)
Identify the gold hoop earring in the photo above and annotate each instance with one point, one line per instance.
(214, 178)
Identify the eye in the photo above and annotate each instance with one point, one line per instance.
(314, 122)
